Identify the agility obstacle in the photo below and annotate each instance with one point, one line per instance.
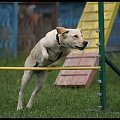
(101, 67)
(89, 25)
(51, 68)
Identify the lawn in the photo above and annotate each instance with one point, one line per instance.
(58, 102)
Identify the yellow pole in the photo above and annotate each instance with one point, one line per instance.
(51, 68)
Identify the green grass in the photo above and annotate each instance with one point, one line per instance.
(58, 102)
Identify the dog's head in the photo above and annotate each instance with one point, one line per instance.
(72, 38)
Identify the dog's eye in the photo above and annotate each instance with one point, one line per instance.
(76, 36)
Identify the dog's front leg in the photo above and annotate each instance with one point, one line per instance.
(45, 56)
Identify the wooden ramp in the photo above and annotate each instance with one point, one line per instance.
(89, 57)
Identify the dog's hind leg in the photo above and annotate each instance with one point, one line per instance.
(26, 76)
(41, 76)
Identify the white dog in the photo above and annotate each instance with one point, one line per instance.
(56, 45)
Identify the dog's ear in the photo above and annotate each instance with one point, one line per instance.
(61, 30)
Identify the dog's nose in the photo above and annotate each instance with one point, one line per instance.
(85, 43)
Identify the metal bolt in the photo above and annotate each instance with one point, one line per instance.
(99, 81)
(100, 107)
(99, 56)
(99, 94)
(98, 44)
(97, 30)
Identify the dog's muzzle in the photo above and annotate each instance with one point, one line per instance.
(85, 43)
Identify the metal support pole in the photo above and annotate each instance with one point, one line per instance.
(114, 68)
(102, 56)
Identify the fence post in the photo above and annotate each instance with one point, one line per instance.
(102, 56)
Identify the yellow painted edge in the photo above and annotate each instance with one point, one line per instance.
(81, 16)
(107, 34)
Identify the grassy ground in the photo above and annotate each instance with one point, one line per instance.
(57, 102)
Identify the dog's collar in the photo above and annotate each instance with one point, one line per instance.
(58, 41)
(60, 46)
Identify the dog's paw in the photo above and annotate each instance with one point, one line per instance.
(28, 106)
(19, 108)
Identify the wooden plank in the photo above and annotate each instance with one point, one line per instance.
(94, 34)
(78, 80)
(106, 24)
(71, 74)
(79, 55)
(89, 78)
(91, 61)
(72, 62)
(91, 7)
(71, 77)
(110, 6)
(93, 42)
(82, 79)
(94, 16)
(92, 25)
(76, 72)
(63, 80)
(94, 7)
(86, 34)
(89, 17)
(83, 25)
(68, 80)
